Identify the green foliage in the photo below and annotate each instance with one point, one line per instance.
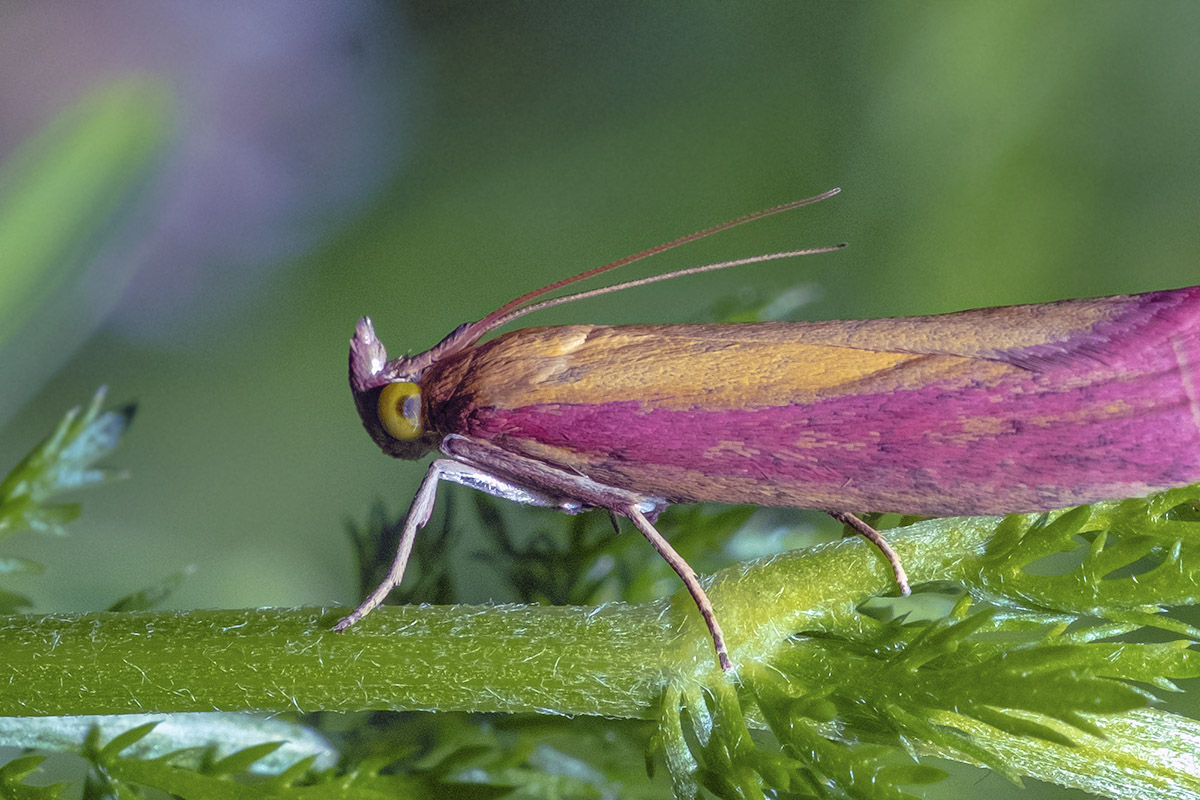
(847, 715)
(523, 756)
(444, 755)
(840, 707)
(150, 596)
(63, 462)
(1137, 556)
(13, 785)
(189, 773)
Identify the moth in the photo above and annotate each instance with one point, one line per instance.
(991, 411)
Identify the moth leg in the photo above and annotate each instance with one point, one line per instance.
(525, 471)
(876, 538)
(690, 580)
(419, 511)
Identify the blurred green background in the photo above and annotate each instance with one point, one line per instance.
(424, 163)
(988, 153)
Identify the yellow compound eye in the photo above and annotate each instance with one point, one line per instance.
(400, 410)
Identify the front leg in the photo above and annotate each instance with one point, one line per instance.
(491, 469)
(421, 508)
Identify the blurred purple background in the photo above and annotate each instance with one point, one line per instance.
(284, 121)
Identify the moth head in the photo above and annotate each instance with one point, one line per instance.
(387, 395)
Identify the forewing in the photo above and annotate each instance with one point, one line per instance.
(988, 411)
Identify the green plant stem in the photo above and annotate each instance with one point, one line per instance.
(496, 658)
(612, 660)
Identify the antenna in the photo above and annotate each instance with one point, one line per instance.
(666, 276)
(467, 334)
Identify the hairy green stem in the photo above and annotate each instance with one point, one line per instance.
(612, 660)
(497, 658)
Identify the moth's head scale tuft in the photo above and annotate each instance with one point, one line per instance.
(368, 357)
